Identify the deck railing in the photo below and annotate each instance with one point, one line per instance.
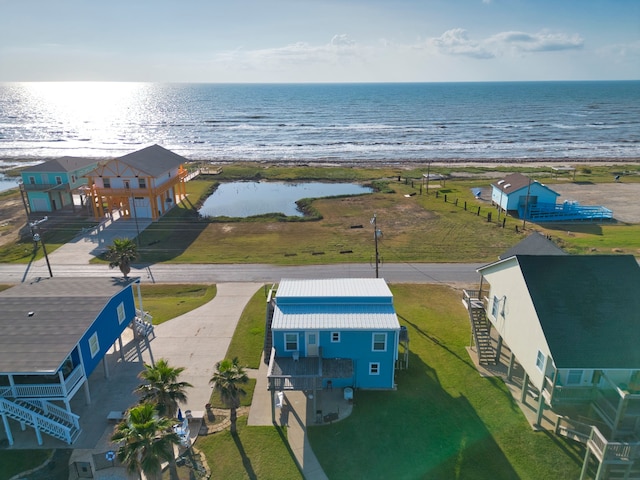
(45, 390)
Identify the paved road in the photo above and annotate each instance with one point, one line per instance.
(448, 273)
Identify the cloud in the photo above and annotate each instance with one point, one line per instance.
(340, 48)
(457, 42)
(536, 42)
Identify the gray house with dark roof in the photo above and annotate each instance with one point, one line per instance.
(534, 244)
(51, 185)
(143, 184)
(573, 324)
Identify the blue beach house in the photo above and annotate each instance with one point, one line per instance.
(515, 192)
(331, 332)
(51, 185)
(55, 333)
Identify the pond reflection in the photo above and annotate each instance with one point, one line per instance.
(245, 199)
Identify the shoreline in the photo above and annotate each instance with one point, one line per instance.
(8, 163)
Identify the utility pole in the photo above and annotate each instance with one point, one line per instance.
(526, 206)
(38, 238)
(376, 234)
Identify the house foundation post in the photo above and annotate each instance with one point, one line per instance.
(7, 429)
(510, 368)
(87, 393)
(121, 348)
(272, 392)
(525, 385)
(499, 349)
(540, 412)
(105, 367)
(585, 465)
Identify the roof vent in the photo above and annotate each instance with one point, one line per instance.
(31, 314)
(500, 182)
(507, 186)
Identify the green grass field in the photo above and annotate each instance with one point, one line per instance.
(167, 301)
(444, 420)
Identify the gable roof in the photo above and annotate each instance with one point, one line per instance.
(534, 244)
(588, 307)
(334, 304)
(516, 181)
(63, 309)
(154, 160)
(63, 164)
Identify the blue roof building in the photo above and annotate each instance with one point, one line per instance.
(332, 332)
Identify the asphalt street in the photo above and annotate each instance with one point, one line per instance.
(446, 273)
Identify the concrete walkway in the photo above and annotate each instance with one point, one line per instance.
(200, 338)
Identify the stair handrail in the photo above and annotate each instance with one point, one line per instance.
(55, 410)
(34, 419)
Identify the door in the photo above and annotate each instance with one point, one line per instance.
(312, 344)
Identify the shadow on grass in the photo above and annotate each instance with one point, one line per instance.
(285, 442)
(246, 461)
(586, 228)
(435, 434)
(171, 235)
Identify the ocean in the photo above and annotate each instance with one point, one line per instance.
(329, 123)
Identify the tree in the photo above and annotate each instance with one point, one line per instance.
(146, 440)
(227, 381)
(162, 387)
(121, 254)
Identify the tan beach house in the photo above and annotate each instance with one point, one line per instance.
(143, 184)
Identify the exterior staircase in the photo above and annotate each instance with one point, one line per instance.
(268, 335)
(482, 335)
(143, 324)
(44, 417)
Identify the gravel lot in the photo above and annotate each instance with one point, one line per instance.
(622, 198)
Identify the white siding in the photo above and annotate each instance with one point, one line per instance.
(519, 327)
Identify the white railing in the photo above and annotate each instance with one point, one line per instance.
(35, 420)
(58, 412)
(45, 390)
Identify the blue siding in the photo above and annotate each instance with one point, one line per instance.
(356, 345)
(107, 327)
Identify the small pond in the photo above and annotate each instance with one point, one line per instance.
(245, 199)
(7, 183)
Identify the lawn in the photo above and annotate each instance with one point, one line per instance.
(13, 462)
(248, 339)
(444, 421)
(245, 401)
(167, 301)
(256, 452)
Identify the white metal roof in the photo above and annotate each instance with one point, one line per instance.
(335, 317)
(334, 288)
(334, 304)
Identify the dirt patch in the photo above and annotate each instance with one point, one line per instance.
(621, 197)
(12, 218)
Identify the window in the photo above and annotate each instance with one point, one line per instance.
(574, 377)
(58, 180)
(335, 337)
(94, 344)
(32, 180)
(121, 313)
(374, 368)
(495, 306)
(291, 342)
(73, 179)
(106, 182)
(540, 361)
(127, 185)
(142, 182)
(379, 342)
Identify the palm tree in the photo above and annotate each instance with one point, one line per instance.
(146, 440)
(121, 254)
(227, 381)
(162, 387)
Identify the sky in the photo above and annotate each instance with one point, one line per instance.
(291, 41)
